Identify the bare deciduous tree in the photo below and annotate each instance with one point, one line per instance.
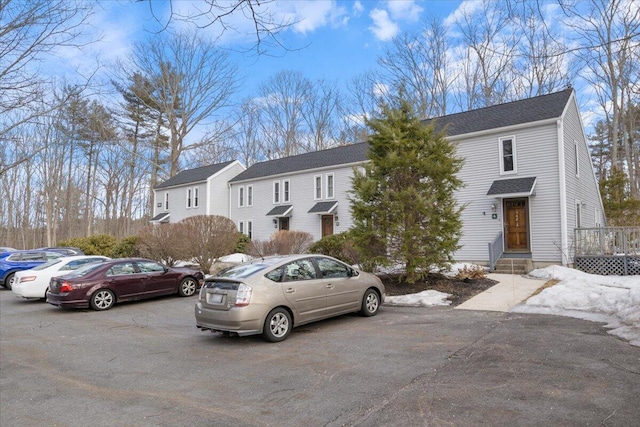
(191, 81)
(209, 238)
(489, 51)
(29, 30)
(265, 25)
(609, 31)
(417, 64)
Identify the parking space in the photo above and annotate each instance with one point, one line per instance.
(146, 364)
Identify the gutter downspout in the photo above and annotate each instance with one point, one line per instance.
(563, 193)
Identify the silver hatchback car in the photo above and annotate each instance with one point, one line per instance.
(270, 296)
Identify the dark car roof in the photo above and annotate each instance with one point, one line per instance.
(28, 251)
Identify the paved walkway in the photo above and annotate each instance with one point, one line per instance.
(511, 290)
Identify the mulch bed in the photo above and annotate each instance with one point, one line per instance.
(460, 289)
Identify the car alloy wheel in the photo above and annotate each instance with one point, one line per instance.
(277, 325)
(102, 300)
(187, 287)
(370, 303)
(8, 282)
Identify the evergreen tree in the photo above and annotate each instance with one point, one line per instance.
(403, 204)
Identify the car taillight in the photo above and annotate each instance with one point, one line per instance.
(66, 287)
(27, 279)
(243, 295)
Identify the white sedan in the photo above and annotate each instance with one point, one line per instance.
(35, 282)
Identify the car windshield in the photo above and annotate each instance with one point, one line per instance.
(47, 264)
(84, 270)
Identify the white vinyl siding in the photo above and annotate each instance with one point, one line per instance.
(299, 218)
(210, 197)
(537, 157)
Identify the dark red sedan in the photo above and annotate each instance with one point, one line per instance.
(100, 286)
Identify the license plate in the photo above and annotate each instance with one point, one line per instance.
(214, 298)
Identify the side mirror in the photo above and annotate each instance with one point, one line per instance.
(353, 272)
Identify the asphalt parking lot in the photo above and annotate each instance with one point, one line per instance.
(146, 364)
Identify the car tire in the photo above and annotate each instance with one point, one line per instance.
(370, 303)
(277, 325)
(187, 287)
(8, 281)
(102, 299)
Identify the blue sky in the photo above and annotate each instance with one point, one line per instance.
(334, 40)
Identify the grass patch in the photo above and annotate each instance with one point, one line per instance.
(548, 284)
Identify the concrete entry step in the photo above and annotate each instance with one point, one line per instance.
(513, 266)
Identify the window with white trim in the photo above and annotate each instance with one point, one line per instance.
(250, 229)
(285, 191)
(188, 198)
(166, 201)
(329, 186)
(578, 214)
(195, 197)
(241, 226)
(318, 187)
(508, 163)
(249, 195)
(598, 218)
(276, 191)
(576, 150)
(240, 197)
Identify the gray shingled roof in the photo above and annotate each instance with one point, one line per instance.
(512, 186)
(512, 113)
(497, 116)
(280, 210)
(323, 207)
(161, 217)
(317, 159)
(193, 175)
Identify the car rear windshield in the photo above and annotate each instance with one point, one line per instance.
(47, 264)
(84, 270)
(243, 270)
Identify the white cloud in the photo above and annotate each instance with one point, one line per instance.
(383, 27)
(404, 10)
(358, 8)
(467, 7)
(311, 15)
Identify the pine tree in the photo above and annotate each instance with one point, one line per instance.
(403, 204)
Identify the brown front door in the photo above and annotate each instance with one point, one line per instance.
(516, 225)
(327, 225)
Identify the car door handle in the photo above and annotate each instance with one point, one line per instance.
(330, 286)
(289, 290)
